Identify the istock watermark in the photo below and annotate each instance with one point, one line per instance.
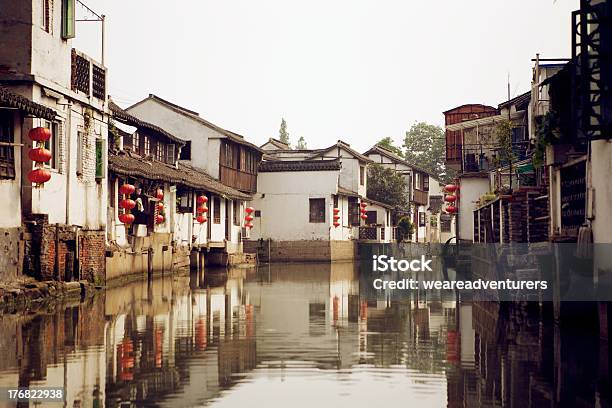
(384, 263)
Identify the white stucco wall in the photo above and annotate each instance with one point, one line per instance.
(601, 168)
(471, 188)
(283, 199)
(10, 212)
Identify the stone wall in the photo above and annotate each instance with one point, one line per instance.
(11, 253)
(302, 251)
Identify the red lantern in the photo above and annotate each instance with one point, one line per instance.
(39, 176)
(39, 154)
(336, 210)
(451, 209)
(450, 198)
(40, 134)
(126, 218)
(336, 217)
(249, 225)
(127, 204)
(201, 209)
(201, 219)
(202, 200)
(363, 211)
(451, 188)
(249, 210)
(336, 224)
(159, 219)
(159, 194)
(363, 204)
(249, 218)
(364, 217)
(160, 206)
(127, 189)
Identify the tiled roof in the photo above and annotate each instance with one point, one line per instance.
(342, 145)
(299, 165)
(378, 149)
(127, 165)
(13, 100)
(235, 137)
(277, 143)
(124, 117)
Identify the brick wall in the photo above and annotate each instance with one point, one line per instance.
(92, 259)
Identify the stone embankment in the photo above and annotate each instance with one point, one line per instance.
(28, 293)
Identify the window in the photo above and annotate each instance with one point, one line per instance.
(422, 221)
(184, 202)
(7, 152)
(353, 213)
(68, 19)
(362, 175)
(236, 211)
(52, 143)
(160, 152)
(317, 210)
(372, 217)
(336, 201)
(80, 147)
(136, 143)
(445, 223)
(425, 178)
(45, 15)
(170, 149)
(186, 151)
(217, 210)
(147, 146)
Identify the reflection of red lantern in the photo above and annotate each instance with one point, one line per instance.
(127, 189)
(249, 218)
(39, 176)
(249, 210)
(336, 224)
(201, 219)
(159, 219)
(249, 225)
(160, 206)
(363, 211)
(127, 204)
(336, 210)
(202, 200)
(39, 134)
(39, 154)
(336, 217)
(450, 198)
(364, 217)
(159, 194)
(126, 218)
(451, 188)
(451, 209)
(364, 204)
(201, 209)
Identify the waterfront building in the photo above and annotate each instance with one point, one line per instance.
(431, 224)
(55, 229)
(221, 155)
(168, 198)
(309, 204)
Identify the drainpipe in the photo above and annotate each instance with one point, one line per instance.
(68, 134)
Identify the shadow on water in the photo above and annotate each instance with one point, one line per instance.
(298, 335)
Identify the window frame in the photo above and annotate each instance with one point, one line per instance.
(216, 210)
(52, 144)
(136, 142)
(236, 212)
(9, 159)
(362, 175)
(316, 210)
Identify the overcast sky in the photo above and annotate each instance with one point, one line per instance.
(356, 70)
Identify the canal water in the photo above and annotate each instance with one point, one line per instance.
(297, 335)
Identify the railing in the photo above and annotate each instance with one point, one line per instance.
(87, 76)
(376, 233)
(238, 179)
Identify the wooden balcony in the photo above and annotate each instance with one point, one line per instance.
(237, 179)
(420, 197)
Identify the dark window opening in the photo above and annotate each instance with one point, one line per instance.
(353, 213)
(217, 210)
(7, 153)
(236, 212)
(186, 151)
(317, 210)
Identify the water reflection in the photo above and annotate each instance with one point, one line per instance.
(297, 335)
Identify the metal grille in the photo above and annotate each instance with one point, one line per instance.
(99, 82)
(80, 73)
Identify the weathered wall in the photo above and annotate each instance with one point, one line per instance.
(601, 168)
(16, 34)
(302, 251)
(471, 190)
(11, 253)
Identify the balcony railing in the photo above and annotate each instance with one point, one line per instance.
(376, 233)
(87, 76)
(420, 197)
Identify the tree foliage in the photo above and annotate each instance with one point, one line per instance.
(425, 146)
(405, 228)
(283, 134)
(387, 186)
(301, 143)
(389, 144)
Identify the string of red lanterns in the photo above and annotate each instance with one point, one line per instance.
(202, 209)
(363, 210)
(451, 197)
(39, 155)
(336, 217)
(159, 218)
(127, 203)
(248, 218)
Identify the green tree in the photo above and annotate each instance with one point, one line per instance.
(283, 134)
(301, 143)
(387, 186)
(388, 144)
(405, 228)
(425, 146)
